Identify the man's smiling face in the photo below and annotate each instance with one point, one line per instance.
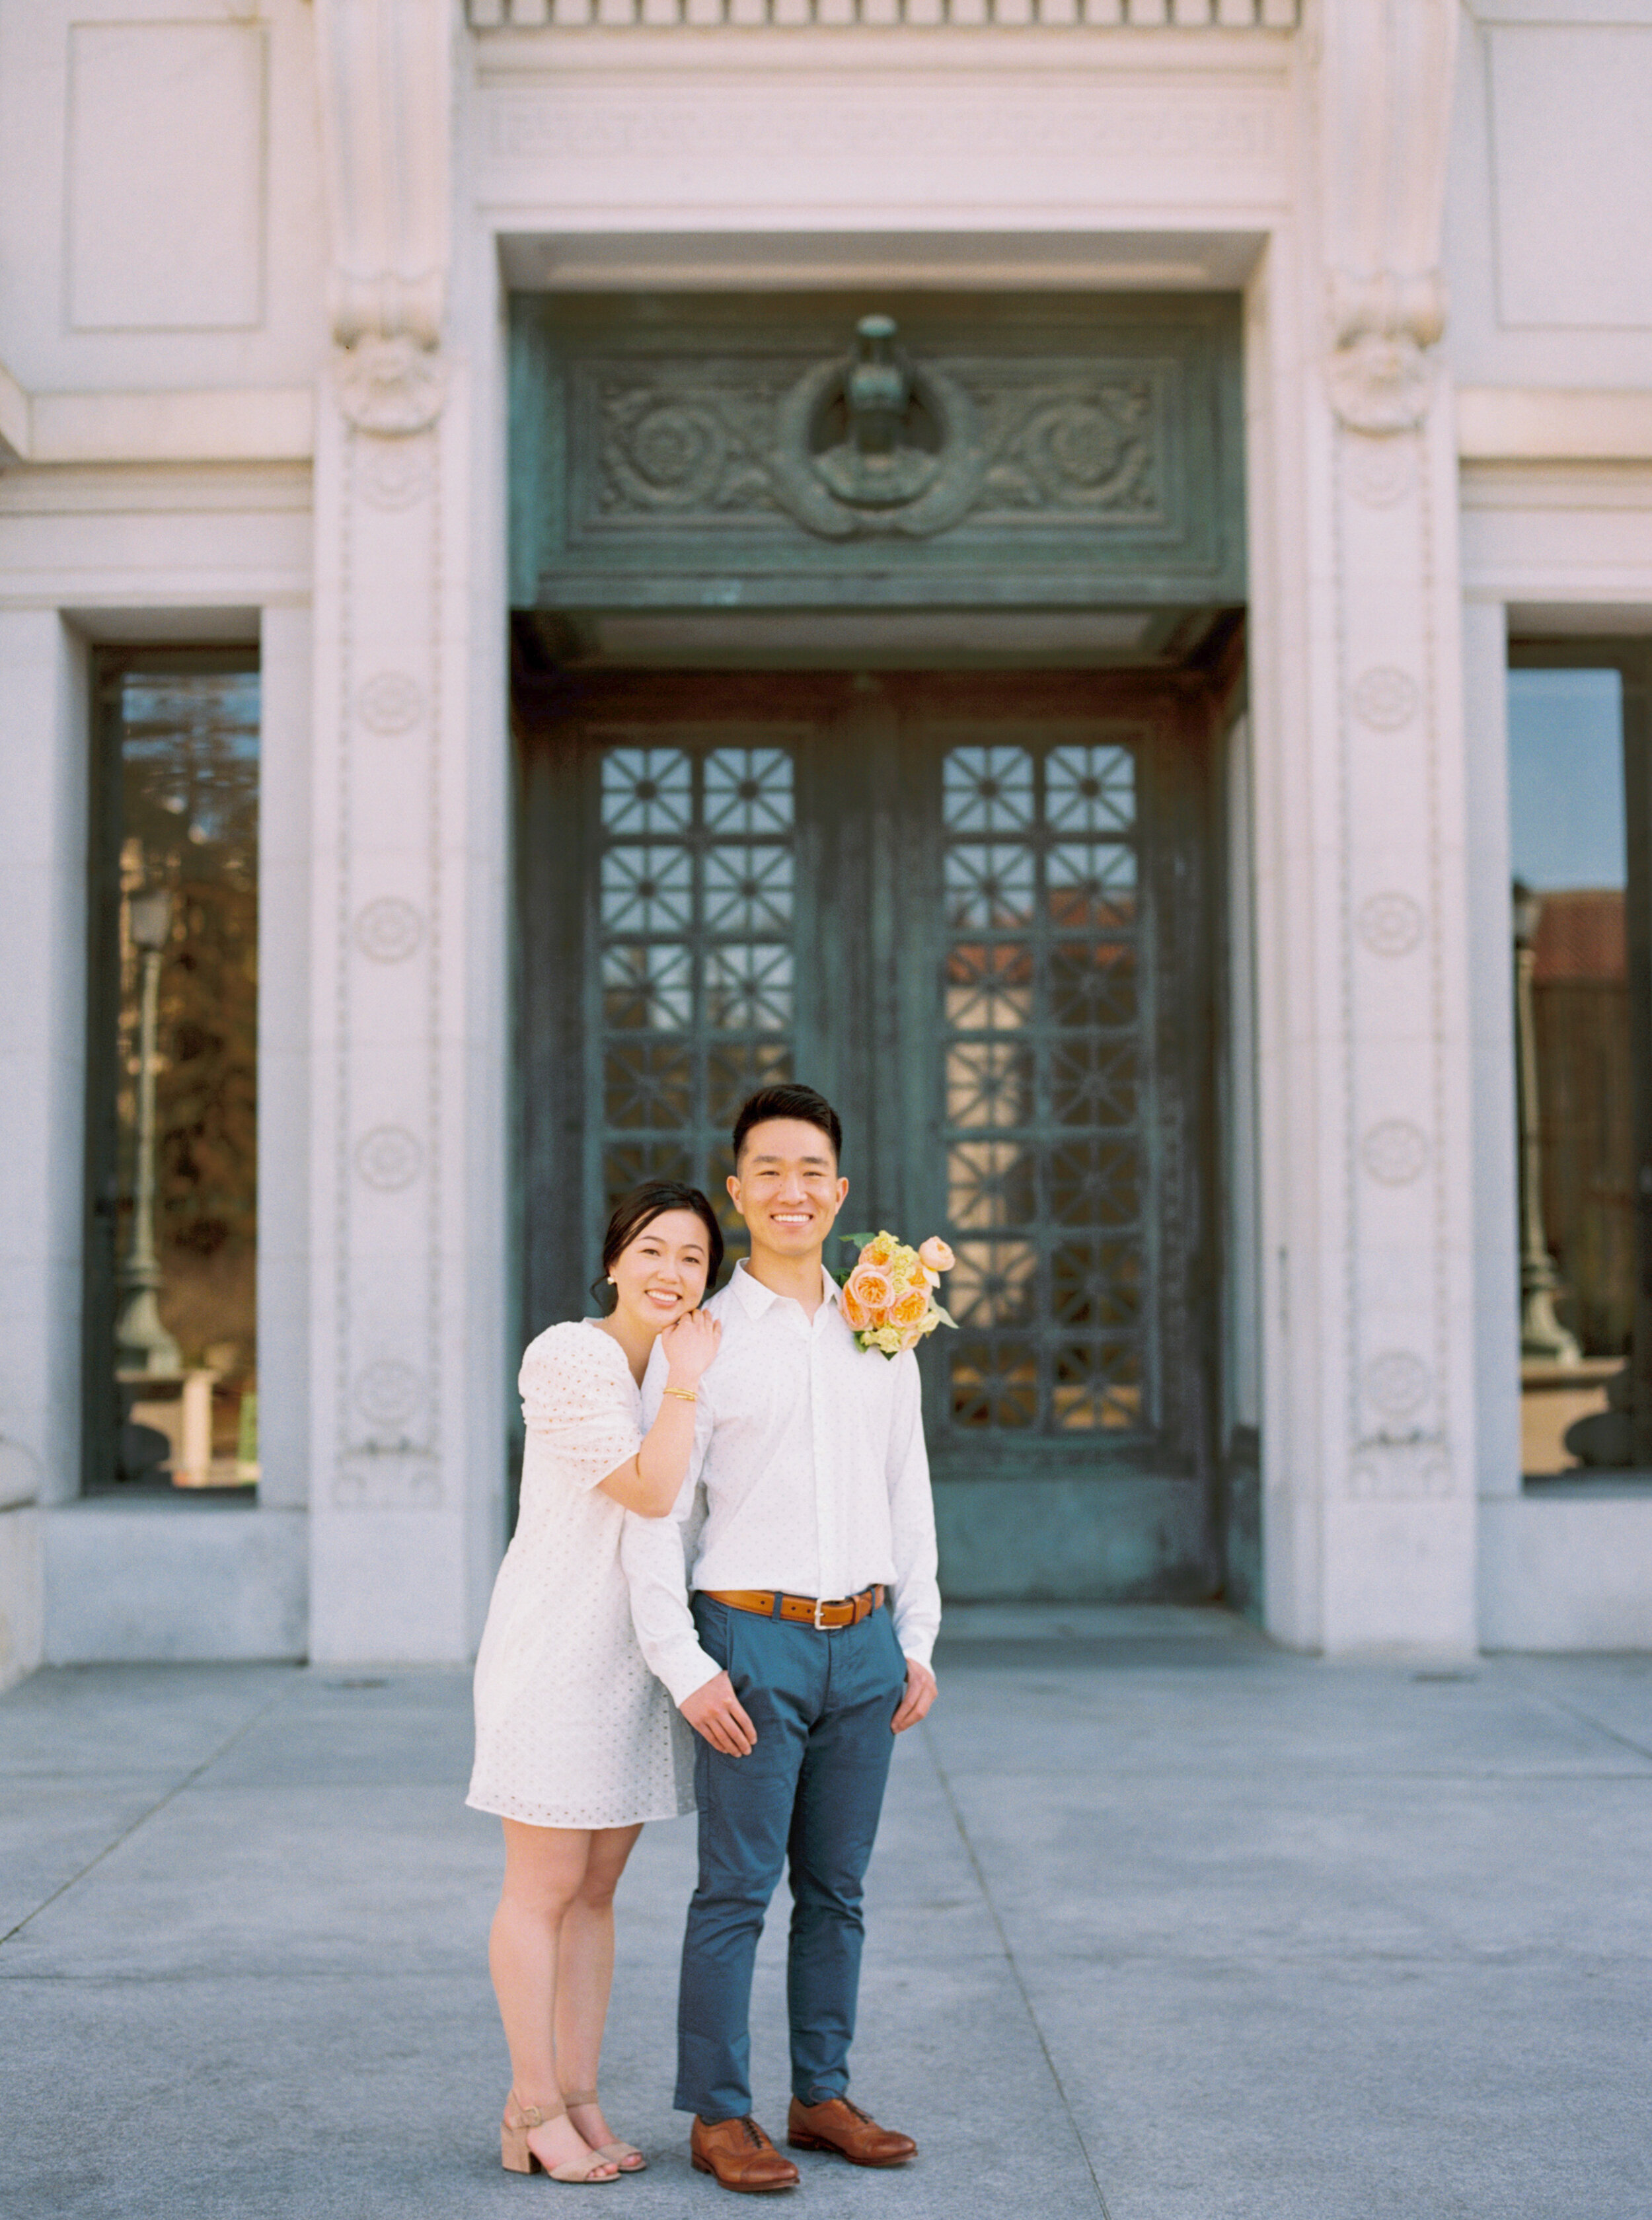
(786, 1186)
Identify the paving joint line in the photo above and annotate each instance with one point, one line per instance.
(1015, 1971)
(144, 1818)
(1584, 1719)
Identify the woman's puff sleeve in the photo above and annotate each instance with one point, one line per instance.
(578, 1399)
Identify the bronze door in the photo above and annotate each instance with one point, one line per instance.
(973, 910)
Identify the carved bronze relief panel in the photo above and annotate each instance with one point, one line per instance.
(777, 451)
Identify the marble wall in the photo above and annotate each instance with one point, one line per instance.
(250, 385)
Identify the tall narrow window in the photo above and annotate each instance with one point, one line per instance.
(1043, 1082)
(696, 918)
(171, 1365)
(1575, 1066)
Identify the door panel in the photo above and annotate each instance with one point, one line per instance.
(972, 910)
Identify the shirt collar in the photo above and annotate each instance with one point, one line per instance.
(757, 1300)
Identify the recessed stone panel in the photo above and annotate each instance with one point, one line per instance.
(165, 177)
(1571, 126)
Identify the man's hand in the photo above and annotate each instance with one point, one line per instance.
(921, 1694)
(714, 1711)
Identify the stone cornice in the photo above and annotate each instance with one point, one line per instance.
(932, 19)
(1549, 424)
(236, 424)
(15, 430)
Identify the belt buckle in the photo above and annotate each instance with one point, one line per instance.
(821, 1626)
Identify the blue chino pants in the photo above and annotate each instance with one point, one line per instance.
(807, 1798)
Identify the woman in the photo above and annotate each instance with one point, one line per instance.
(576, 1743)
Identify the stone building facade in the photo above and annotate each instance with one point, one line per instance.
(297, 298)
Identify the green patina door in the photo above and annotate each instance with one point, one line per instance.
(970, 906)
(973, 910)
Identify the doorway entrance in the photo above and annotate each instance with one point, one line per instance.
(974, 910)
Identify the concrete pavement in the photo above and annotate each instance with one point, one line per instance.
(1165, 1924)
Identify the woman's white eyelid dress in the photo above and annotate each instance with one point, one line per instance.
(572, 1730)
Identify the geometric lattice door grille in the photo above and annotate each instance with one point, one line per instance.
(1043, 1082)
(973, 908)
(696, 902)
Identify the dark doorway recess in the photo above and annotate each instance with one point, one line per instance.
(978, 911)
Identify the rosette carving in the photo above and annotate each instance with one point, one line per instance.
(875, 444)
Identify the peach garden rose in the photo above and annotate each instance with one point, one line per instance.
(888, 1292)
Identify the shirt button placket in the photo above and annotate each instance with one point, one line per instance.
(827, 1506)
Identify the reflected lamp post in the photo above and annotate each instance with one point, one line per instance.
(1542, 1337)
(142, 1343)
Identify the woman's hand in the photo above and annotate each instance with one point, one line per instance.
(691, 1342)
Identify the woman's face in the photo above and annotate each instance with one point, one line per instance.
(661, 1273)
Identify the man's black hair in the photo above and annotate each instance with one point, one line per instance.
(802, 1103)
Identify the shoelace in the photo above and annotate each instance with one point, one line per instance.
(753, 2132)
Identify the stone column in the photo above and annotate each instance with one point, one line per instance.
(1373, 1497)
(1497, 1281)
(44, 754)
(404, 1453)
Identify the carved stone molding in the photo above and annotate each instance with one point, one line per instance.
(389, 1158)
(1391, 924)
(390, 702)
(1400, 1472)
(1386, 698)
(1381, 472)
(392, 387)
(388, 930)
(387, 1392)
(374, 1479)
(396, 472)
(1381, 382)
(1398, 1383)
(384, 69)
(1394, 1152)
(1385, 103)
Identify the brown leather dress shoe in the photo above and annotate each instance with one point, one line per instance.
(839, 2125)
(740, 2155)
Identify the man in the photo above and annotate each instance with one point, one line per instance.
(808, 1534)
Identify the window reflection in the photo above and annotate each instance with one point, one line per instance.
(1573, 1068)
(696, 884)
(174, 1071)
(1043, 1078)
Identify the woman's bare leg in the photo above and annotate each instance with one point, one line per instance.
(544, 1872)
(585, 1973)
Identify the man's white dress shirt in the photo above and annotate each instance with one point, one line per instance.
(808, 1474)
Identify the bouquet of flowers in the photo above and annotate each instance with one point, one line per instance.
(888, 1292)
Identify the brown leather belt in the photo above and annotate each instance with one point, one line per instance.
(803, 1611)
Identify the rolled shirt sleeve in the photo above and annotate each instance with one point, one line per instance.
(654, 1555)
(917, 1600)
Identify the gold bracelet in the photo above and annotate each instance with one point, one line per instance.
(683, 1394)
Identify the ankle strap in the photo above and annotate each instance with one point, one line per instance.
(535, 2116)
(579, 2096)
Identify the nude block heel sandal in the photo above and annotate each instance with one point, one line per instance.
(516, 2155)
(626, 2156)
